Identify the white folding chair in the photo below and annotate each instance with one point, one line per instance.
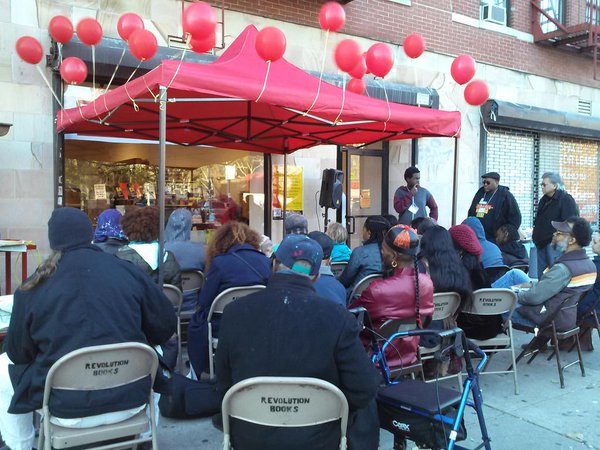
(362, 285)
(445, 305)
(217, 307)
(122, 364)
(176, 296)
(488, 302)
(322, 402)
(338, 267)
(192, 282)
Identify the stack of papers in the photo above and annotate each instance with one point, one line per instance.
(12, 245)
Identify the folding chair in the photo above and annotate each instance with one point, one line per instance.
(549, 332)
(487, 302)
(362, 285)
(217, 307)
(175, 295)
(394, 326)
(124, 363)
(588, 321)
(324, 403)
(445, 306)
(192, 282)
(338, 267)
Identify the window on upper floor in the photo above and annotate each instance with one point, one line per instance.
(592, 12)
(555, 9)
(495, 11)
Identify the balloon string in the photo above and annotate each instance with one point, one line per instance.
(113, 76)
(388, 106)
(265, 83)
(155, 97)
(48, 84)
(94, 67)
(188, 38)
(321, 74)
(343, 97)
(135, 106)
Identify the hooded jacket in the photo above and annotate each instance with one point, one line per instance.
(501, 208)
(491, 256)
(514, 254)
(341, 252)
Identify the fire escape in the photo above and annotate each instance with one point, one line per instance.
(570, 25)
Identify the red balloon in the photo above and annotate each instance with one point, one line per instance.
(347, 54)
(199, 20)
(463, 69)
(128, 23)
(89, 31)
(380, 59)
(332, 16)
(203, 45)
(477, 93)
(414, 45)
(61, 29)
(270, 43)
(356, 85)
(142, 44)
(360, 69)
(29, 49)
(73, 70)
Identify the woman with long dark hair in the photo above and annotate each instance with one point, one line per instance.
(401, 294)
(366, 259)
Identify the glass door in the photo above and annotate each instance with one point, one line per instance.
(365, 188)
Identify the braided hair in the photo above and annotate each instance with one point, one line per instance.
(377, 226)
(404, 240)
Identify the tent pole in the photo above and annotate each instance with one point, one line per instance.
(455, 182)
(162, 129)
(284, 210)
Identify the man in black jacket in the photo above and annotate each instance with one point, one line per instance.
(494, 206)
(556, 205)
(79, 297)
(287, 330)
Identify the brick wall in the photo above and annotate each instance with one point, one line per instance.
(391, 22)
(511, 154)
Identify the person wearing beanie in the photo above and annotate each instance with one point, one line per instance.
(80, 296)
(189, 255)
(327, 286)
(366, 259)
(494, 206)
(109, 235)
(287, 329)
(402, 293)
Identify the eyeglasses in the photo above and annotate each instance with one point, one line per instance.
(558, 233)
(544, 184)
(487, 182)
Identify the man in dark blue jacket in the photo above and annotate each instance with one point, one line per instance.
(79, 297)
(288, 330)
(327, 285)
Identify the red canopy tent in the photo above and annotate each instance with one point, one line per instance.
(232, 103)
(215, 104)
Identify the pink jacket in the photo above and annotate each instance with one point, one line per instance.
(394, 298)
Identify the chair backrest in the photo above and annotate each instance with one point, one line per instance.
(391, 326)
(230, 295)
(285, 402)
(174, 294)
(338, 267)
(362, 285)
(445, 305)
(192, 280)
(102, 367)
(492, 301)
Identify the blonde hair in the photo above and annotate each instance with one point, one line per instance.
(337, 232)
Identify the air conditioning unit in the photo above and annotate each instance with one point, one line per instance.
(493, 13)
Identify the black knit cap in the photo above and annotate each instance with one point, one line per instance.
(403, 239)
(68, 228)
(324, 241)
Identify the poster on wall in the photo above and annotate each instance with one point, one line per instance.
(295, 189)
(579, 171)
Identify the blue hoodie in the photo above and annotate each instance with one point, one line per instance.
(492, 256)
(341, 252)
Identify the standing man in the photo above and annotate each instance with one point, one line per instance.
(556, 205)
(494, 206)
(410, 200)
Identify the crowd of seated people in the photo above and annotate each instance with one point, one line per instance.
(304, 302)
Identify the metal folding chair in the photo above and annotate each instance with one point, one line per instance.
(175, 295)
(362, 285)
(124, 363)
(217, 307)
(324, 403)
(192, 282)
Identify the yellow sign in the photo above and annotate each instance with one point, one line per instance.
(295, 189)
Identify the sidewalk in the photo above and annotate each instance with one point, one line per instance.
(543, 416)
